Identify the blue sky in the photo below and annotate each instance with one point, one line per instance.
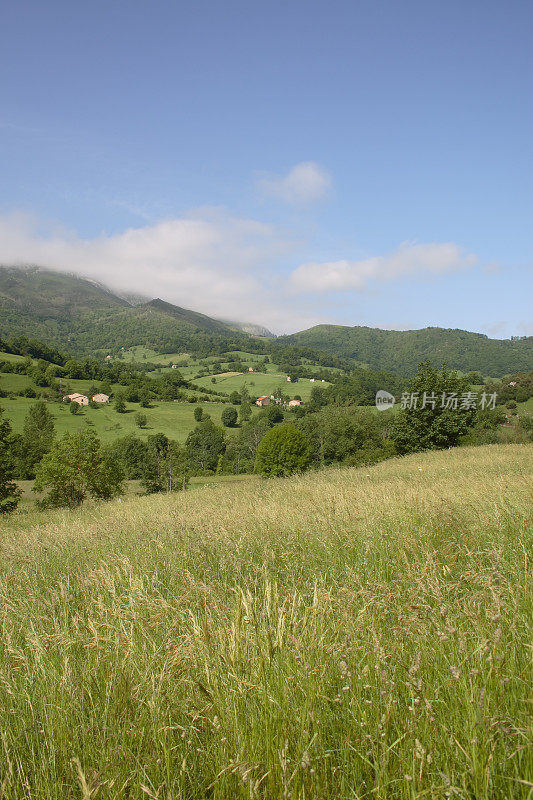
(284, 163)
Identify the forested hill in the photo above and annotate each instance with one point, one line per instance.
(401, 351)
(81, 316)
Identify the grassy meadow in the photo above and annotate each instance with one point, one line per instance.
(353, 633)
(259, 383)
(174, 419)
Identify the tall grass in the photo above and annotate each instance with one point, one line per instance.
(347, 634)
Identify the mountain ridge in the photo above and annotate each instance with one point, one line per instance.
(83, 315)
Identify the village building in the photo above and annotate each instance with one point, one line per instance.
(76, 397)
(100, 398)
(293, 403)
(174, 366)
(250, 369)
(263, 401)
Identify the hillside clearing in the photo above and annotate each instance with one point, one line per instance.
(174, 419)
(345, 634)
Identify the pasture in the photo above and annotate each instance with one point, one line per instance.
(259, 383)
(174, 419)
(353, 633)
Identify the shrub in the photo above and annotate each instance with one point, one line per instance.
(282, 451)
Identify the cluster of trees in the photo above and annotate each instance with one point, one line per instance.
(516, 388)
(357, 388)
(33, 348)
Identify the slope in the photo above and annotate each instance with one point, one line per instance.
(402, 351)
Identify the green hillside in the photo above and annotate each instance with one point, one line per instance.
(175, 420)
(402, 351)
(81, 316)
(353, 633)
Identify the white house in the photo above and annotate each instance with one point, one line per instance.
(100, 398)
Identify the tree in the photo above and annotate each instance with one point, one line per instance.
(274, 414)
(198, 413)
(132, 453)
(242, 448)
(141, 419)
(245, 412)
(37, 436)
(76, 468)
(144, 398)
(74, 407)
(436, 424)
(106, 388)
(204, 445)
(9, 493)
(282, 451)
(347, 434)
(235, 398)
(229, 417)
(165, 470)
(120, 404)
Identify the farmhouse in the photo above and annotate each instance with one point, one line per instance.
(100, 398)
(295, 403)
(76, 397)
(174, 366)
(263, 401)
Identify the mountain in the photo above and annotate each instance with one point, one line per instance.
(83, 316)
(401, 351)
(252, 329)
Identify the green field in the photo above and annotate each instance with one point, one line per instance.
(352, 633)
(11, 357)
(12, 382)
(259, 383)
(175, 420)
(139, 354)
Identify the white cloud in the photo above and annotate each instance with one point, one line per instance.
(305, 183)
(221, 265)
(409, 259)
(208, 261)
